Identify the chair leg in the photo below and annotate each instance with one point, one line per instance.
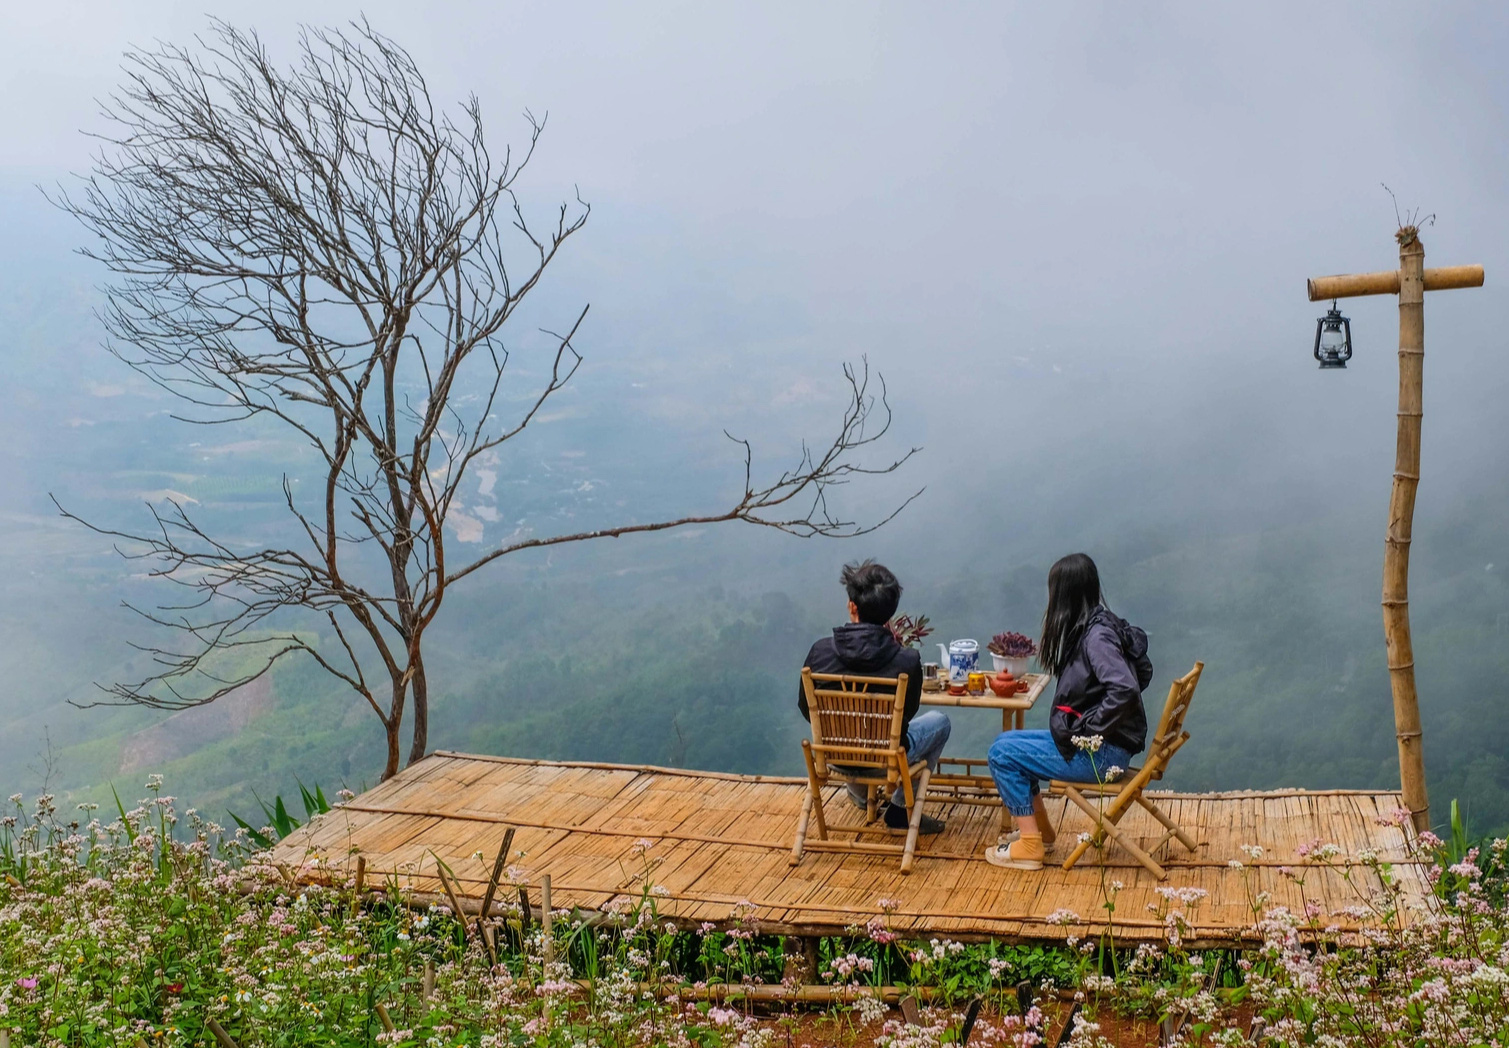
(814, 790)
(1083, 846)
(908, 791)
(1106, 825)
(872, 803)
(801, 830)
(1168, 824)
(1141, 856)
(914, 823)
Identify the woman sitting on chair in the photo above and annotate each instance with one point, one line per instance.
(1097, 723)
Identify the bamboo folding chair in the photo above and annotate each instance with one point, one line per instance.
(1167, 740)
(856, 737)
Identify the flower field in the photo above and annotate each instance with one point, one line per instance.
(153, 928)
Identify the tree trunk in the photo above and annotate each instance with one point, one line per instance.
(1401, 655)
(390, 769)
(421, 710)
(394, 725)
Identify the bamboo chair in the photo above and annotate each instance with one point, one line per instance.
(1167, 740)
(856, 737)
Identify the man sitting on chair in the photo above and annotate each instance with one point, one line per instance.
(865, 647)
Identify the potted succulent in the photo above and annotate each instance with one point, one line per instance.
(1011, 652)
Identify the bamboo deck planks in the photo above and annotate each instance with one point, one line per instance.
(718, 839)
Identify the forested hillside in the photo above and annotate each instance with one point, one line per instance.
(1248, 539)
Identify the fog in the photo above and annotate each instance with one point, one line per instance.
(1072, 238)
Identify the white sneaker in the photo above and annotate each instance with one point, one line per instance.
(1000, 855)
(1016, 835)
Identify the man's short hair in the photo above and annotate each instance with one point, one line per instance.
(873, 589)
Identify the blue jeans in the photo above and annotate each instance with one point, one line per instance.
(925, 738)
(1019, 760)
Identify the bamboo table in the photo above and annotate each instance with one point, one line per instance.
(966, 785)
(1012, 707)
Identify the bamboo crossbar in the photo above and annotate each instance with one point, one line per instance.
(422, 900)
(1351, 285)
(976, 702)
(805, 993)
(647, 769)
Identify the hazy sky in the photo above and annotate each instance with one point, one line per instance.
(1065, 229)
(1073, 237)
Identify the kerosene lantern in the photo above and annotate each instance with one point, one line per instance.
(1333, 339)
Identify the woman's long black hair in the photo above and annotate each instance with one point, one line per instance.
(1073, 592)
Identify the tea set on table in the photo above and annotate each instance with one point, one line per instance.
(958, 671)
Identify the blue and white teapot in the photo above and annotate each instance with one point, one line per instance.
(960, 658)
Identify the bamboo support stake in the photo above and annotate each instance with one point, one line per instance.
(361, 877)
(1401, 654)
(215, 1028)
(909, 1011)
(546, 925)
(971, 1016)
(499, 864)
(429, 978)
(547, 934)
(450, 893)
(1068, 1030)
(384, 1018)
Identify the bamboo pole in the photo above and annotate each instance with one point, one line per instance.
(1401, 655)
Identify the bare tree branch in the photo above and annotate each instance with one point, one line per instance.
(323, 248)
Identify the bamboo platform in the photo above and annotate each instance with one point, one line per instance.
(720, 842)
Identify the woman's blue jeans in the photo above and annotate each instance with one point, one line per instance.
(1020, 760)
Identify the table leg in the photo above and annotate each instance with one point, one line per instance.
(1021, 719)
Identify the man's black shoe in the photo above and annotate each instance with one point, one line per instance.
(895, 819)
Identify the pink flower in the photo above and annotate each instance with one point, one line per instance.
(27, 983)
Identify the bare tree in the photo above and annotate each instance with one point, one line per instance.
(322, 247)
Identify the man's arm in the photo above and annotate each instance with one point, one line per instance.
(801, 689)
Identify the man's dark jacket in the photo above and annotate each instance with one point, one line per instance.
(867, 650)
(1100, 688)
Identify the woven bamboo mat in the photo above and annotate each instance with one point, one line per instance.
(707, 843)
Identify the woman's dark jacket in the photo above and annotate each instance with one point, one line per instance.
(1100, 687)
(866, 650)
